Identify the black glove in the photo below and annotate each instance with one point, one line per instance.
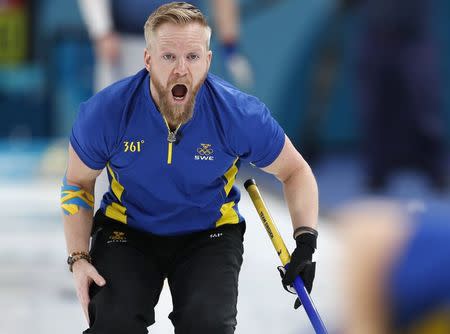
(301, 264)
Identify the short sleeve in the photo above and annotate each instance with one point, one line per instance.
(90, 137)
(257, 137)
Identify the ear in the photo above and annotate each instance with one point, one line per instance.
(147, 59)
(209, 58)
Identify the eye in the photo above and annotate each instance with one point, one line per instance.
(168, 56)
(193, 56)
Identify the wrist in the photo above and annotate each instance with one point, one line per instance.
(307, 239)
(229, 48)
(78, 264)
(75, 257)
(304, 229)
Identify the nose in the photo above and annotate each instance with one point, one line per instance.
(181, 66)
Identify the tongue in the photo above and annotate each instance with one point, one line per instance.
(179, 90)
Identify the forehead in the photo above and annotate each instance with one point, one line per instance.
(180, 35)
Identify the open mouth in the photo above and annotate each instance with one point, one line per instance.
(179, 92)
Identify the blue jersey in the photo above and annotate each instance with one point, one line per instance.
(419, 283)
(174, 189)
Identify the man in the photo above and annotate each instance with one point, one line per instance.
(399, 81)
(172, 138)
(115, 27)
(397, 268)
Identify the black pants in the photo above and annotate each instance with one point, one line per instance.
(202, 271)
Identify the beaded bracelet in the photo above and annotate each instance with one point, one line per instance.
(75, 256)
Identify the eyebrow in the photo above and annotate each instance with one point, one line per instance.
(168, 48)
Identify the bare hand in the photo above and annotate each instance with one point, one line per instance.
(108, 47)
(84, 274)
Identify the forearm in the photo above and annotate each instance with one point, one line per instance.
(301, 195)
(78, 183)
(77, 231)
(226, 17)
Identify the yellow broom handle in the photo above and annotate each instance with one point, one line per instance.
(267, 221)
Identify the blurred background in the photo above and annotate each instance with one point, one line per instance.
(362, 87)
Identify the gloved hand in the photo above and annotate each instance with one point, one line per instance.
(301, 263)
(237, 66)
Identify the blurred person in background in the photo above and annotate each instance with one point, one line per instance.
(325, 73)
(397, 268)
(116, 26)
(400, 91)
(172, 138)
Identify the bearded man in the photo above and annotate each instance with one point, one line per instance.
(172, 138)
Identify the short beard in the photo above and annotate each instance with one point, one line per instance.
(175, 114)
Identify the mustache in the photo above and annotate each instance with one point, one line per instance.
(179, 81)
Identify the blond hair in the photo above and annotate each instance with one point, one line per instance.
(180, 13)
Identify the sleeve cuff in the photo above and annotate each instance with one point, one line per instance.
(274, 153)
